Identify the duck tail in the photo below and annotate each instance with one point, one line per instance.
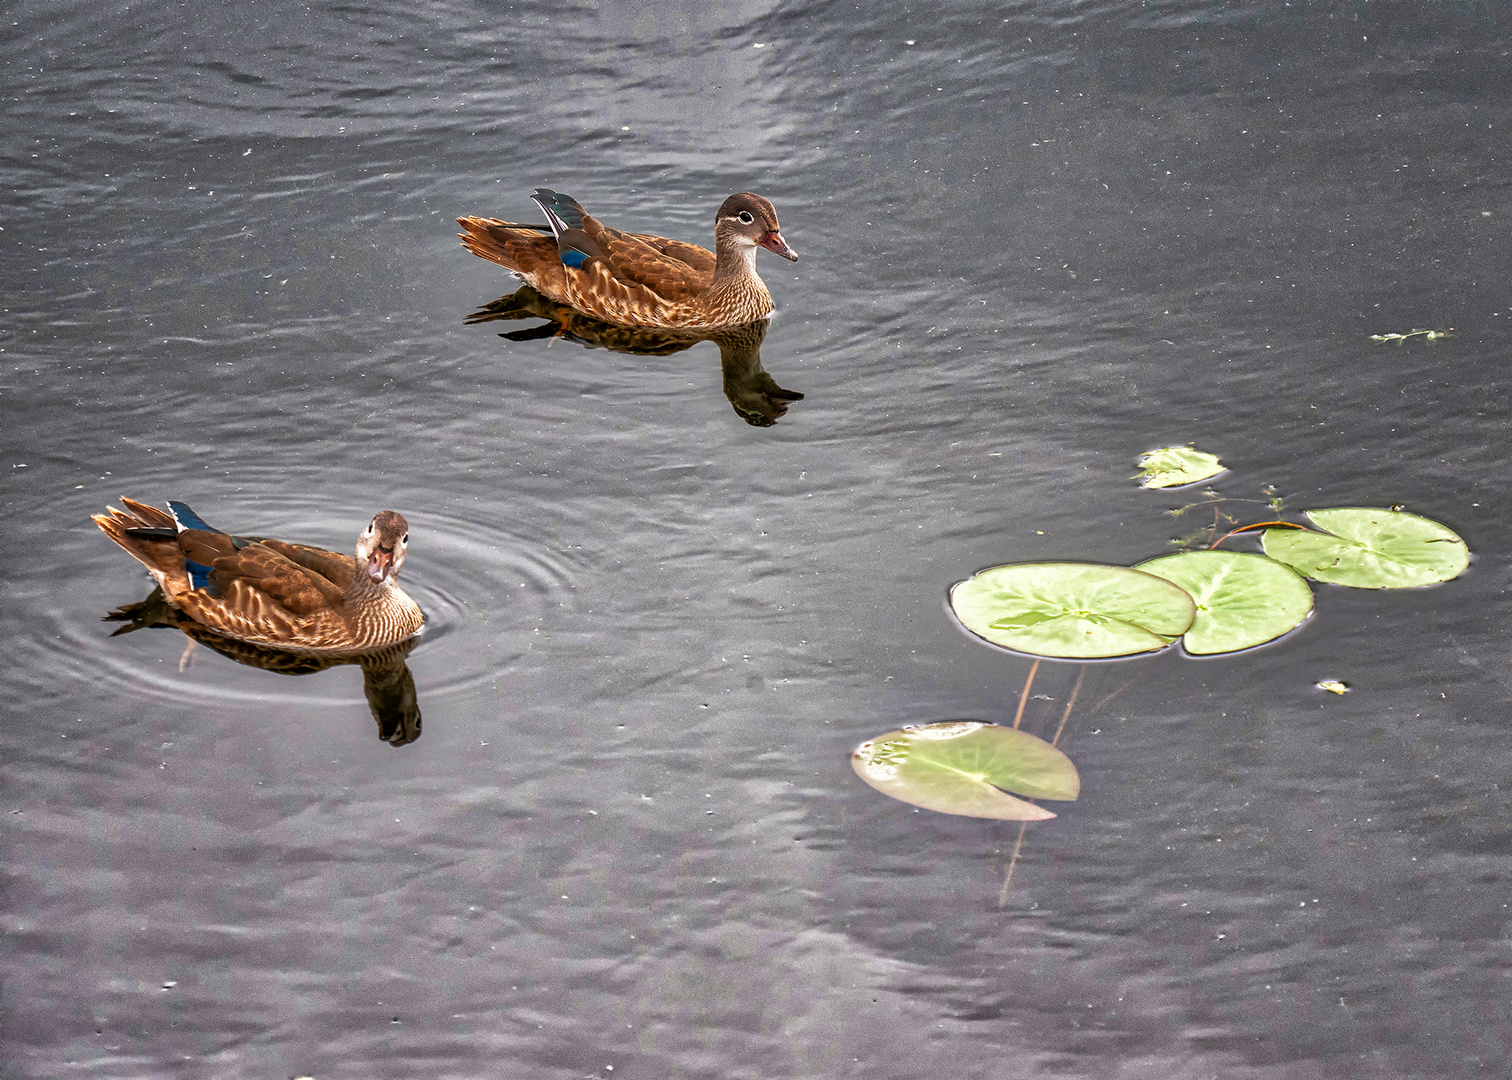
(148, 535)
(492, 239)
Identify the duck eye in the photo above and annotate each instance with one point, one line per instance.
(406, 539)
(745, 217)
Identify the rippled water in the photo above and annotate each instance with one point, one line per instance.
(1036, 239)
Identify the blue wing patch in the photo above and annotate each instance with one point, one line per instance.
(199, 576)
(574, 259)
(187, 518)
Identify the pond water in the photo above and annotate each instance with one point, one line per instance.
(1036, 240)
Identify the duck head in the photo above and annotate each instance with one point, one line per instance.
(380, 548)
(747, 220)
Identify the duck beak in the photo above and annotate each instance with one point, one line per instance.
(379, 564)
(773, 241)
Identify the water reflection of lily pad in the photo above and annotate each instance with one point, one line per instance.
(1371, 548)
(965, 767)
(1078, 611)
(1176, 466)
(1242, 599)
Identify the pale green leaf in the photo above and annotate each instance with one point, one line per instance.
(1371, 548)
(1072, 610)
(1242, 599)
(1176, 466)
(965, 767)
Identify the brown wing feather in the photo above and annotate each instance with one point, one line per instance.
(205, 547)
(635, 261)
(260, 567)
(700, 259)
(335, 568)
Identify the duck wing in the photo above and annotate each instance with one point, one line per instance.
(334, 567)
(670, 268)
(260, 574)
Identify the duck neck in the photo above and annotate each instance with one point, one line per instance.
(737, 294)
(363, 591)
(734, 265)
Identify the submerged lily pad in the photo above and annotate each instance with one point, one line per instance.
(1176, 466)
(1080, 611)
(1242, 599)
(965, 767)
(1371, 548)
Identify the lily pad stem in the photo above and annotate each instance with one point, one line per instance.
(1257, 525)
(1024, 697)
(1012, 861)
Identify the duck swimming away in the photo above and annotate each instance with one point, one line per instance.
(268, 592)
(636, 279)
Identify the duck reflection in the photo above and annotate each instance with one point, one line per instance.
(386, 679)
(755, 395)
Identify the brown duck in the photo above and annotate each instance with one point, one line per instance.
(268, 592)
(635, 279)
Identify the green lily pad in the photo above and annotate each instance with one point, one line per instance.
(1243, 599)
(965, 767)
(1371, 548)
(1079, 611)
(1176, 466)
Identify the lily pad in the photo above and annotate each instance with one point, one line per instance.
(1176, 466)
(965, 767)
(1080, 611)
(1371, 548)
(1242, 599)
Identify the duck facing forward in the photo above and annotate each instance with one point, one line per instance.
(636, 279)
(268, 592)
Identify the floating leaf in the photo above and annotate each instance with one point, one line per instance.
(965, 767)
(1079, 611)
(1242, 599)
(1176, 466)
(1426, 335)
(1371, 548)
(1333, 686)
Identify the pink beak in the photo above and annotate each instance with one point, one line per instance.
(378, 564)
(773, 241)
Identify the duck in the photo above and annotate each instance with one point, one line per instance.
(268, 592)
(636, 279)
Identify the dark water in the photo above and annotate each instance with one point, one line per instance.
(1037, 239)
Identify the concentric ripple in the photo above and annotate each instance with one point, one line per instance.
(487, 589)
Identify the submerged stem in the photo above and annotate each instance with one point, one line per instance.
(1024, 697)
(1012, 861)
(1070, 703)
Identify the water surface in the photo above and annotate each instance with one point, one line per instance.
(1037, 239)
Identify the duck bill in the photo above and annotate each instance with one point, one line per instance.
(380, 565)
(773, 241)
